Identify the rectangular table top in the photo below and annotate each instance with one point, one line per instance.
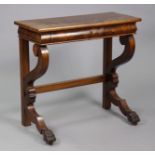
(76, 22)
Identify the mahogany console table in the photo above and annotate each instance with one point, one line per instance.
(43, 32)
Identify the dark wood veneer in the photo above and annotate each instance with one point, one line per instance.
(44, 32)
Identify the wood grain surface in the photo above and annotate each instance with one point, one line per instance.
(74, 22)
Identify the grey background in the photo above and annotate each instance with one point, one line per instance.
(75, 115)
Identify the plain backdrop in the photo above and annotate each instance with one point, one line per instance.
(75, 115)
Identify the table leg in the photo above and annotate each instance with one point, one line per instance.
(107, 59)
(24, 69)
(129, 43)
(29, 92)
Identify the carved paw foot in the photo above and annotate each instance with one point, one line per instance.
(49, 137)
(133, 117)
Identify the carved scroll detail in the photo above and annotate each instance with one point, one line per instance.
(30, 94)
(38, 120)
(43, 59)
(127, 54)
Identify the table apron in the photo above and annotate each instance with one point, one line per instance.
(57, 37)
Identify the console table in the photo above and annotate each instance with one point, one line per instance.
(43, 32)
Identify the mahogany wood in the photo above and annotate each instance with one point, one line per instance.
(129, 49)
(107, 60)
(77, 34)
(24, 70)
(77, 22)
(69, 84)
(66, 29)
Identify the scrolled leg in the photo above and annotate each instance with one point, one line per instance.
(123, 106)
(30, 94)
(129, 43)
(48, 135)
